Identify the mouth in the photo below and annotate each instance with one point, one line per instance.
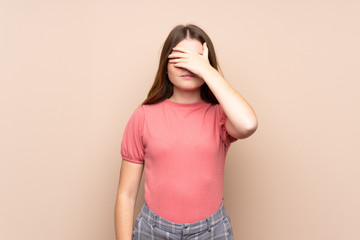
(187, 76)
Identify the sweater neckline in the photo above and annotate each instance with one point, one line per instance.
(199, 103)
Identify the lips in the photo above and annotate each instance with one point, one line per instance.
(187, 75)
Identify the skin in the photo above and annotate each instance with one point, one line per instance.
(129, 182)
(188, 57)
(185, 90)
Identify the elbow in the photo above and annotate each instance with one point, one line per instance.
(251, 129)
(242, 129)
(247, 130)
(126, 198)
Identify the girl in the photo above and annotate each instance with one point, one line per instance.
(181, 134)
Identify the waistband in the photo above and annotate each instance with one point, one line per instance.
(185, 228)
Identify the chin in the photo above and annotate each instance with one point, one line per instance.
(188, 88)
(187, 84)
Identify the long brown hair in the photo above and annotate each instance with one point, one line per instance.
(162, 88)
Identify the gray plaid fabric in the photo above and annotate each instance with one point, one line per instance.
(150, 226)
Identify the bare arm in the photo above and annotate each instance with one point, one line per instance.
(130, 178)
(242, 121)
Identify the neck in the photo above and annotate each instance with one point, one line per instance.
(186, 96)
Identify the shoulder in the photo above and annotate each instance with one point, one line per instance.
(219, 110)
(150, 108)
(138, 112)
(216, 109)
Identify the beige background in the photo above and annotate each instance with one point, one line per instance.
(72, 72)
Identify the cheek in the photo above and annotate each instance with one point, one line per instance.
(170, 72)
(171, 69)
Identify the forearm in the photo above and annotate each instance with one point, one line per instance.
(124, 218)
(239, 112)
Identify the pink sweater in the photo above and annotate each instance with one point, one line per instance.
(183, 147)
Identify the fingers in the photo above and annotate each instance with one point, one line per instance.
(181, 65)
(176, 60)
(181, 50)
(176, 54)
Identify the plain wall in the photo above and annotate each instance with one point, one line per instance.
(72, 72)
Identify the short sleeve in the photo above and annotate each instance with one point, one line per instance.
(132, 148)
(225, 136)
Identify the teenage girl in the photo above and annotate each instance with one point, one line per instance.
(181, 134)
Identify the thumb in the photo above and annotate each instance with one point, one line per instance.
(205, 50)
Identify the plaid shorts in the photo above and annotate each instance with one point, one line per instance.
(149, 225)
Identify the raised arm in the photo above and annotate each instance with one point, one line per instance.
(242, 121)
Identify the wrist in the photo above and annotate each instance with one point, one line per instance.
(210, 73)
